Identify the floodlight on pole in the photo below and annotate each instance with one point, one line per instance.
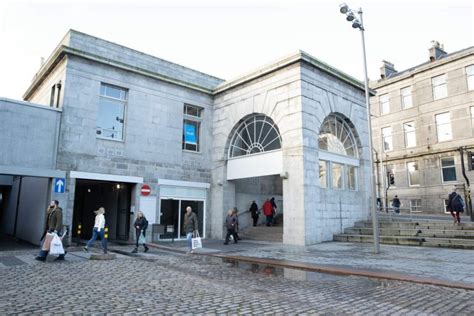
(357, 23)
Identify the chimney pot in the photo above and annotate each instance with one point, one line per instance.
(387, 69)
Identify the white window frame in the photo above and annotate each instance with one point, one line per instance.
(326, 175)
(470, 77)
(196, 119)
(415, 208)
(408, 174)
(384, 104)
(442, 123)
(453, 166)
(387, 137)
(356, 177)
(407, 132)
(440, 88)
(123, 99)
(406, 97)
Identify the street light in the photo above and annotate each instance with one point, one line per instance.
(357, 23)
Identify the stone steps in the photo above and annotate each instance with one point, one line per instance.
(414, 233)
(263, 233)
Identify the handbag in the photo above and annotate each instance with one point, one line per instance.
(196, 242)
(141, 239)
(56, 247)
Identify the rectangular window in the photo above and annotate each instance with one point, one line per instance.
(415, 206)
(351, 177)
(446, 206)
(406, 98)
(413, 174)
(440, 89)
(448, 169)
(323, 177)
(387, 138)
(384, 104)
(410, 136)
(337, 176)
(472, 120)
(111, 112)
(192, 127)
(53, 95)
(470, 77)
(443, 126)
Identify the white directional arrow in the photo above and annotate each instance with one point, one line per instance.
(60, 184)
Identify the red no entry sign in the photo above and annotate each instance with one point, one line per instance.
(145, 190)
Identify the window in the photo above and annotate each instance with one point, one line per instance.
(443, 126)
(410, 136)
(406, 98)
(111, 114)
(191, 127)
(337, 176)
(384, 104)
(323, 178)
(470, 77)
(387, 138)
(413, 174)
(53, 94)
(439, 87)
(415, 206)
(336, 136)
(448, 169)
(446, 206)
(351, 177)
(256, 134)
(472, 119)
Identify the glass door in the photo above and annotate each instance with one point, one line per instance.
(198, 208)
(172, 216)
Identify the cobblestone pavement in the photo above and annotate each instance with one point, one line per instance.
(161, 282)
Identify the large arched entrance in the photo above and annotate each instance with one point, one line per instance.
(254, 165)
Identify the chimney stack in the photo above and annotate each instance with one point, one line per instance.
(436, 51)
(387, 69)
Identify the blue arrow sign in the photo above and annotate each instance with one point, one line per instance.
(59, 185)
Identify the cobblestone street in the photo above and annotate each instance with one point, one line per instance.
(169, 283)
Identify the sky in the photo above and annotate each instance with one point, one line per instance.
(228, 38)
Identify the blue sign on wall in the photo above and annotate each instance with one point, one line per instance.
(59, 185)
(190, 134)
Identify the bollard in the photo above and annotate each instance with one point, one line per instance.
(106, 232)
(79, 230)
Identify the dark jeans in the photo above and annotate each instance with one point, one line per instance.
(255, 220)
(137, 234)
(98, 233)
(44, 253)
(231, 231)
(270, 220)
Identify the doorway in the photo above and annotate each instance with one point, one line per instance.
(115, 197)
(172, 216)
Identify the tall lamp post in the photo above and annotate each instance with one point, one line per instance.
(357, 23)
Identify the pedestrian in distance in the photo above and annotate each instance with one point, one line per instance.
(190, 226)
(274, 206)
(455, 206)
(235, 211)
(268, 212)
(54, 224)
(396, 204)
(254, 212)
(141, 224)
(98, 230)
(231, 222)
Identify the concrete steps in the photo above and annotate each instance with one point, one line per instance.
(263, 233)
(414, 233)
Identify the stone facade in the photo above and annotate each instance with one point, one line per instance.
(429, 195)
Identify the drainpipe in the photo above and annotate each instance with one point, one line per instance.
(468, 191)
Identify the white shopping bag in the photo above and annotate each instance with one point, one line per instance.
(196, 242)
(56, 247)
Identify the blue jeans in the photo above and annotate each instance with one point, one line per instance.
(44, 253)
(189, 237)
(98, 233)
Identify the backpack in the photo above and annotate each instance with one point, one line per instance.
(461, 201)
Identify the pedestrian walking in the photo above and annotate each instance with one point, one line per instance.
(455, 206)
(54, 224)
(141, 224)
(231, 222)
(268, 212)
(235, 211)
(254, 212)
(98, 230)
(396, 204)
(274, 206)
(190, 226)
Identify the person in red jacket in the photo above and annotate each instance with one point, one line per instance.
(268, 212)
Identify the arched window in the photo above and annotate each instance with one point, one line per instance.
(336, 136)
(255, 134)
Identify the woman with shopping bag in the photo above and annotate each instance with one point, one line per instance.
(98, 230)
(141, 224)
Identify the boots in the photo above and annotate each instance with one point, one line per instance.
(146, 248)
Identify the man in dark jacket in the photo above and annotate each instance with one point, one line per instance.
(455, 206)
(190, 226)
(396, 204)
(254, 212)
(54, 224)
(231, 222)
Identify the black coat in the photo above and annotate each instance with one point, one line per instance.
(454, 203)
(254, 210)
(142, 223)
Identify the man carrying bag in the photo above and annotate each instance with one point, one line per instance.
(54, 225)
